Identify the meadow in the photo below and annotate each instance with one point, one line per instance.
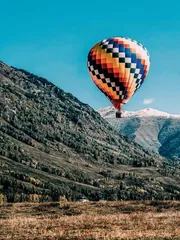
(156, 220)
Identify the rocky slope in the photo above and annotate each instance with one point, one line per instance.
(52, 144)
(153, 129)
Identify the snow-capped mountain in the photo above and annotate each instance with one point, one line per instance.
(109, 112)
(155, 130)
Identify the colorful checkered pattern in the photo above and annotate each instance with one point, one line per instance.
(118, 66)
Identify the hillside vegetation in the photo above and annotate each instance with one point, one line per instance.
(52, 144)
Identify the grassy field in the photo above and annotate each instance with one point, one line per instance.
(157, 220)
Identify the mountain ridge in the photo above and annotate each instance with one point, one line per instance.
(153, 129)
(146, 112)
(52, 144)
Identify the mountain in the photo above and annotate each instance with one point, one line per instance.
(51, 145)
(153, 129)
(109, 112)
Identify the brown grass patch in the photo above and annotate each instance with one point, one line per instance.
(94, 220)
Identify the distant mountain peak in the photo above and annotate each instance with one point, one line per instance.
(109, 112)
(155, 130)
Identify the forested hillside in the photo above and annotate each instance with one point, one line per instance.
(51, 144)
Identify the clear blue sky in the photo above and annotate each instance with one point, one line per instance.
(52, 39)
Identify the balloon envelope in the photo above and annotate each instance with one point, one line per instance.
(118, 66)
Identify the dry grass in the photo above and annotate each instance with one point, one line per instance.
(103, 220)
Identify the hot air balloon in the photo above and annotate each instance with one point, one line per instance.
(118, 66)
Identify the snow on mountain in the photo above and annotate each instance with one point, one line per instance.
(155, 130)
(109, 112)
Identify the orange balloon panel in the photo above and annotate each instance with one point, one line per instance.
(118, 66)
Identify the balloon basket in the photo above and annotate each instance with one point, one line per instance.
(118, 114)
